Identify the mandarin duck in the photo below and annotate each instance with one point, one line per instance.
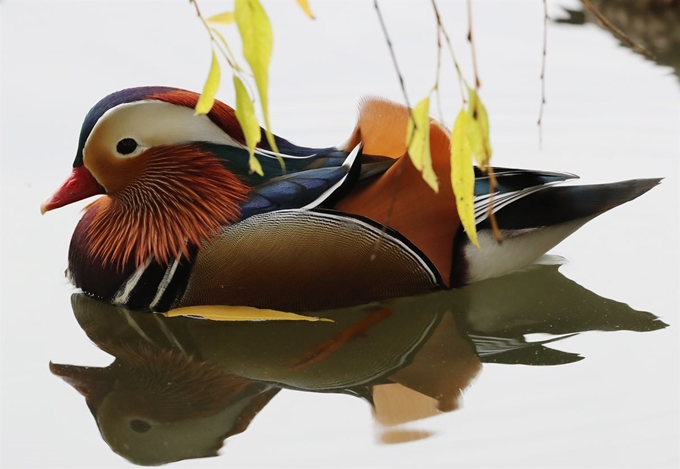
(183, 222)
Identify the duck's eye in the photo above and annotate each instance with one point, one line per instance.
(140, 426)
(126, 146)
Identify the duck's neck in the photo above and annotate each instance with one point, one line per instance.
(182, 197)
(179, 202)
(147, 286)
(88, 273)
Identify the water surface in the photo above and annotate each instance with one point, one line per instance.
(457, 379)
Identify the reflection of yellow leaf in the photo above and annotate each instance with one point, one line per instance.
(304, 4)
(222, 18)
(256, 34)
(463, 175)
(212, 84)
(478, 130)
(418, 141)
(245, 113)
(239, 313)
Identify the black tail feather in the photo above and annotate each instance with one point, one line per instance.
(555, 205)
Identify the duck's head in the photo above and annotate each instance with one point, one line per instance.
(155, 160)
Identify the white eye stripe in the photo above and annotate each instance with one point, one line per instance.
(152, 123)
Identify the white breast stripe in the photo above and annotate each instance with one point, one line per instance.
(167, 278)
(123, 294)
(327, 193)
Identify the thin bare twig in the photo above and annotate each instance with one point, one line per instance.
(390, 209)
(490, 213)
(545, 46)
(616, 31)
(438, 74)
(394, 57)
(442, 29)
(472, 44)
(214, 42)
(488, 169)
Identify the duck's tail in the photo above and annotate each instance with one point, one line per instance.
(534, 209)
(534, 224)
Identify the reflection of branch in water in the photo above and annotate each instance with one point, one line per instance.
(654, 24)
(193, 383)
(323, 350)
(616, 31)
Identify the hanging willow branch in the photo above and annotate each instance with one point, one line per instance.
(616, 31)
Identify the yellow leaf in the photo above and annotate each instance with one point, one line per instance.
(257, 38)
(239, 313)
(222, 18)
(463, 175)
(478, 130)
(212, 84)
(304, 4)
(245, 113)
(418, 142)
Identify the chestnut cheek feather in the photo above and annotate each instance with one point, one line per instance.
(181, 196)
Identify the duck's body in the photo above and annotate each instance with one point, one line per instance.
(184, 223)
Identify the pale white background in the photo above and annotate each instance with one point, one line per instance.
(611, 115)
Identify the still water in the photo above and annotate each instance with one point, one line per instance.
(573, 362)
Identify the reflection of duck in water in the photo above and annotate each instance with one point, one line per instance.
(155, 406)
(179, 386)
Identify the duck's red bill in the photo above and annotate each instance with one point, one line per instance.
(78, 186)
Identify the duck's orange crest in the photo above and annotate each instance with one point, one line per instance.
(181, 197)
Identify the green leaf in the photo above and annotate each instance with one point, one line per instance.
(222, 18)
(418, 142)
(256, 34)
(463, 175)
(478, 130)
(212, 84)
(245, 113)
(304, 4)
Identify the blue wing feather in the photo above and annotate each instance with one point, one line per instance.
(302, 189)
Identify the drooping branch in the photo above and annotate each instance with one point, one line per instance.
(472, 45)
(545, 47)
(461, 78)
(616, 31)
(394, 57)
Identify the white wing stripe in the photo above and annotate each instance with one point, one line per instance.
(482, 202)
(346, 164)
